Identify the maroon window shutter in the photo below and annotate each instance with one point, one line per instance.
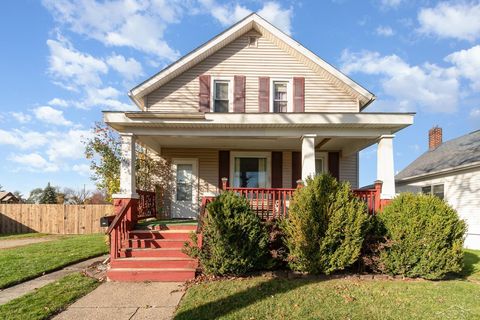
(204, 93)
(296, 167)
(263, 94)
(223, 166)
(334, 164)
(298, 94)
(277, 169)
(239, 94)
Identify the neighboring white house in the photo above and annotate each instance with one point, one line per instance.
(451, 171)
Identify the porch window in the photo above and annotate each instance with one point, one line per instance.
(250, 170)
(221, 90)
(184, 182)
(320, 162)
(280, 96)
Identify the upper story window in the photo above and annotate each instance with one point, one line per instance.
(281, 95)
(222, 95)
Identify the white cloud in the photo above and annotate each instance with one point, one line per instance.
(68, 146)
(82, 169)
(459, 20)
(390, 3)
(275, 14)
(21, 117)
(50, 115)
(129, 68)
(33, 162)
(23, 139)
(428, 86)
(475, 113)
(69, 65)
(58, 102)
(104, 97)
(385, 31)
(137, 24)
(467, 63)
(271, 11)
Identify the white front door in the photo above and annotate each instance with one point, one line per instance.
(185, 196)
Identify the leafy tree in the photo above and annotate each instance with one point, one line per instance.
(35, 195)
(1, 188)
(78, 196)
(104, 152)
(49, 195)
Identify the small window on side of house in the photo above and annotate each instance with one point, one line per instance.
(221, 95)
(438, 191)
(427, 190)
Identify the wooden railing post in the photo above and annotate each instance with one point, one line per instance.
(299, 183)
(378, 192)
(224, 183)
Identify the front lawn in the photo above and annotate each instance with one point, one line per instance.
(317, 298)
(48, 300)
(27, 262)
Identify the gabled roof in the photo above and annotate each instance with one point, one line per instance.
(253, 21)
(7, 196)
(451, 155)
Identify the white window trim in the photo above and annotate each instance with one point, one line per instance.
(251, 154)
(230, 92)
(289, 81)
(324, 157)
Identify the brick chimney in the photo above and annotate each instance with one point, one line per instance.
(434, 138)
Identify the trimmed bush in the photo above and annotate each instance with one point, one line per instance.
(326, 226)
(234, 239)
(424, 237)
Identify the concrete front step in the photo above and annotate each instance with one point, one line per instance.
(153, 243)
(155, 252)
(154, 262)
(151, 274)
(160, 234)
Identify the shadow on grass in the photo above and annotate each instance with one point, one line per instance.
(239, 300)
(471, 264)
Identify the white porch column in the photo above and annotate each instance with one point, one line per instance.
(308, 156)
(385, 171)
(127, 167)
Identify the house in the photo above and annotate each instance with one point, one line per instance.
(449, 170)
(8, 197)
(254, 111)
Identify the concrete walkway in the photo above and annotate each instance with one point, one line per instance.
(127, 300)
(23, 288)
(5, 244)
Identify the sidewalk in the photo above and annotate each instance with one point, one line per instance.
(127, 300)
(25, 287)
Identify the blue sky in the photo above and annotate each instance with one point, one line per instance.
(62, 62)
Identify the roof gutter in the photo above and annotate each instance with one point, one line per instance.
(369, 101)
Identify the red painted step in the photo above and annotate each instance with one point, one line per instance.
(149, 262)
(160, 234)
(154, 243)
(168, 227)
(156, 252)
(151, 274)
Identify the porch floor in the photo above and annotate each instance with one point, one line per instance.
(166, 223)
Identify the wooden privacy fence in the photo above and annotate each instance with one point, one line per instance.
(53, 218)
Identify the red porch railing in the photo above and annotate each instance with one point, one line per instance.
(372, 197)
(268, 204)
(146, 205)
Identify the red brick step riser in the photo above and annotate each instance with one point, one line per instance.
(135, 276)
(153, 243)
(159, 235)
(181, 264)
(154, 253)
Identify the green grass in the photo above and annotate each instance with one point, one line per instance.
(317, 298)
(11, 236)
(48, 300)
(27, 262)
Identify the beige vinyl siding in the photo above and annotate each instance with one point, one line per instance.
(349, 169)
(287, 169)
(462, 192)
(207, 166)
(237, 58)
